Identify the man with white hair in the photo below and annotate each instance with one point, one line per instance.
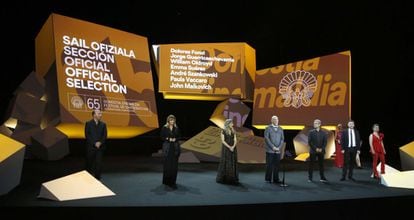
(274, 139)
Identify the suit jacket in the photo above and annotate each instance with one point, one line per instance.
(317, 142)
(345, 139)
(95, 132)
(273, 138)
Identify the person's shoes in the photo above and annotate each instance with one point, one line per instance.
(268, 181)
(323, 180)
(283, 184)
(309, 180)
(276, 182)
(235, 183)
(351, 178)
(359, 168)
(342, 179)
(172, 185)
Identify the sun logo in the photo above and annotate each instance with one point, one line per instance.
(76, 101)
(297, 88)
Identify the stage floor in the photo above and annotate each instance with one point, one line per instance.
(137, 183)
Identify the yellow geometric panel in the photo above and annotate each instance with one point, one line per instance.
(205, 71)
(230, 109)
(115, 132)
(285, 127)
(407, 156)
(8, 147)
(11, 123)
(250, 149)
(217, 117)
(294, 127)
(207, 142)
(300, 142)
(302, 157)
(408, 148)
(71, 53)
(301, 91)
(184, 96)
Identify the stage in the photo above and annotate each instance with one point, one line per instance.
(137, 183)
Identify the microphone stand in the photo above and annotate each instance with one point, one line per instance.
(283, 184)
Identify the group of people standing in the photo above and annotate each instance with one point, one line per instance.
(344, 138)
(96, 135)
(348, 143)
(274, 140)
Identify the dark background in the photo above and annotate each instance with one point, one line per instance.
(379, 35)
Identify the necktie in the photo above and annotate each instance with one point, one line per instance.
(352, 138)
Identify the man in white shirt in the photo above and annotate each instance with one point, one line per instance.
(350, 143)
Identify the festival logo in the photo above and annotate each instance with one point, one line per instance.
(301, 91)
(76, 102)
(297, 88)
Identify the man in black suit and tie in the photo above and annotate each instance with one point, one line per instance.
(350, 143)
(317, 140)
(95, 134)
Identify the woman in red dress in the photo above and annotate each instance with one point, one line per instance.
(339, 156)
(377, 149)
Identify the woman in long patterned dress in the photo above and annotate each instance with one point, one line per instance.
(227, 171)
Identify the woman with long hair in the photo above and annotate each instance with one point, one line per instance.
(170, 135)
(227, 171)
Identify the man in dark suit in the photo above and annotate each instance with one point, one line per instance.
(95, 134)
(350, 143)
(317, 140)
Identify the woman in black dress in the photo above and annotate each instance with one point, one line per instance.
(170, 135)
(227, 171)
